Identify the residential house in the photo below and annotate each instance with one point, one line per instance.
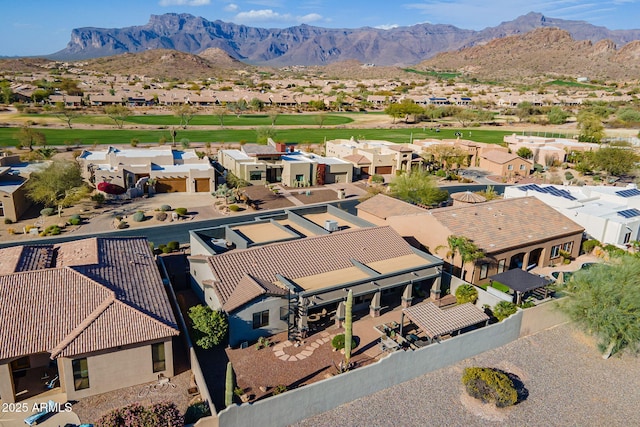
(547, 150)
(92, 313)
(505, 164)
(14, 174)
(279, 163)
(172, 170)
(373, 157)
(283, 271)
(512, 233)
(610, 215)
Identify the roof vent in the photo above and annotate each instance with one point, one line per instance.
(331, 225)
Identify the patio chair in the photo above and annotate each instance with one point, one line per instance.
(33, 419)
(52, 384)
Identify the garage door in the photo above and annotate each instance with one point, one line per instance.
(383, 170)
(171, 185)
(202, 185)
(364, 170)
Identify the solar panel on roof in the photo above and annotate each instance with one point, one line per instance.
(629, 213)
(628, 193)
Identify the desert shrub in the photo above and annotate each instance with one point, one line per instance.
(234, 208)
(109, 188)
(135, 415)
(196, 411)
(589, 245)
(181, 211)
(8, 221)
(338, 342)
(466, 293)
(98, 198)
(165, 208)
(173, 245)
(161, 216)
(263, 342)
(490, 386)
(52, 230)
(135, 142)
(46, 212)
(138, 216)
(166, 250)
(281, 388)
(75, 221)
(11, 230)
(75, 216)
(377, 179)
(504, 309)
(568, 176)
(122, 225)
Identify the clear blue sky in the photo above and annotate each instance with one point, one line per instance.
(38, 27)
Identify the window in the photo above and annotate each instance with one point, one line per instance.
(501, 265)
(80, 373)
(567, 247)
(522, 167)
(555, 251)
(1, 209)
(510, 167)
(484, 270)
(255, 176)
(299, 178)
(284, 313)
(260, 319)
(627, 237)
(157, 355)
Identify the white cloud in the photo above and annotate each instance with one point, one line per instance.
(184, 2)
(386, 26)
(231, 7)
(268, 15)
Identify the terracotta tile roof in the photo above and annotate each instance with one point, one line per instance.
(357, 159)
(79, 309)
(302, 258)
(383, 206)
(249, 289)
(500, 157)
(502, 224)
(436, 322)
(25, 258)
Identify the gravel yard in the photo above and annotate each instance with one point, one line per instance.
(568, 382)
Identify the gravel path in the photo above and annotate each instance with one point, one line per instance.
(568, 382)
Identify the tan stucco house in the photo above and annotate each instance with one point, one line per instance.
(14, 174)
(513, 233)
(284, 272)
(172, 170)
(92, 312)
(505, 164)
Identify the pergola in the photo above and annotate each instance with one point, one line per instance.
(521, 282)
(436, 322)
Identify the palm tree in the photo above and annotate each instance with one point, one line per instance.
(464, 247)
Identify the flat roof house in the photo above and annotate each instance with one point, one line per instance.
(173, 170)
(513, 233)
(278, 272)
(14, 174)
(92, 312)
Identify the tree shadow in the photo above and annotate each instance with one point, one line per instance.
(522, 391)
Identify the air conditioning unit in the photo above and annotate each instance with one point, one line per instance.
(331, 225)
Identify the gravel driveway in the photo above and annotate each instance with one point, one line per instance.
(568, 382)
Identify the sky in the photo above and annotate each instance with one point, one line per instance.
(40, 27)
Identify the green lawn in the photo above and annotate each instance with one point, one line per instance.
(577, 85)
(313, 135)
(210, 120)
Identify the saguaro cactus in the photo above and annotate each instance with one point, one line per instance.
(348, 327)
(228, 391)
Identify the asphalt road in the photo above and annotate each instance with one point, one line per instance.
(166, 233)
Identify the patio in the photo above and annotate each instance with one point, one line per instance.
(259, 371)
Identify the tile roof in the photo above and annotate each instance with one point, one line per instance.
(249, 289)
(69, 309)
(357, 159)
(383, 206)
(502, 224)
(436, 322)
(301, 258)
(501, 157)
(25, 258)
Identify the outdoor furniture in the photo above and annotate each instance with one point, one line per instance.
(387, 344)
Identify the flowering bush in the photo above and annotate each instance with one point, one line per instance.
(110, 188)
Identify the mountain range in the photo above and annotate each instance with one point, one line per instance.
(309, 45)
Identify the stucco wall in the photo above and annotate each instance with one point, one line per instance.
(398, 367)
(241, 321)
(541, 317)
(6, 384)
(117, 369)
